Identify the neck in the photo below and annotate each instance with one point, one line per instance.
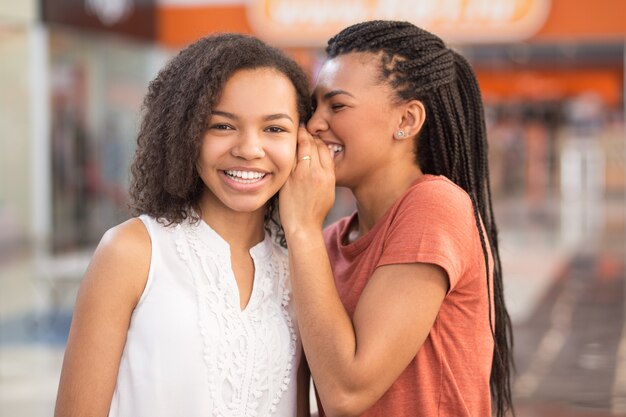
(242, 230)
(378, 193)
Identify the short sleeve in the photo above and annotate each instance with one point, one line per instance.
(433, 223)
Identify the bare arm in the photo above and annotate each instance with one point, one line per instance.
(353, 361)
(108, 294)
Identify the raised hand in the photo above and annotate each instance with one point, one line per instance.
(309, 193)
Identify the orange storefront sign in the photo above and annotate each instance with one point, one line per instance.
(312, 22)
(525, 84)
(305, 23)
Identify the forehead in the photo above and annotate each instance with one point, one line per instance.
(263, 86)
(258, 79)
(351, 71)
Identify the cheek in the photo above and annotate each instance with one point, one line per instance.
(204, 153)
(284, 155)
(202, 162)
(211, 150)
(343, 123)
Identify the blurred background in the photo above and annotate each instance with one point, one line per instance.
(72, 77)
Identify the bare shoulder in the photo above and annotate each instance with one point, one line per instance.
(122, 258)
(108, 294)
(130, 235)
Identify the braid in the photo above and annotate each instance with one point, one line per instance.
(452, 142)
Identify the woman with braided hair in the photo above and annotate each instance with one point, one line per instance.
(400, 305)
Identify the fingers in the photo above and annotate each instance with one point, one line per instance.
(325, 155)
(313, 151)
(305, 144)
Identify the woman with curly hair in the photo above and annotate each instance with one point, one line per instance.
(400, 305)
(185, 310)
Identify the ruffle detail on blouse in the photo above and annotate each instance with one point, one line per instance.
(248, 354)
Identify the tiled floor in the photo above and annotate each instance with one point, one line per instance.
(570, 343)
(566, 298)
(29, 380)
(34, 321)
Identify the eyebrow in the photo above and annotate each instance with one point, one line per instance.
(278, 116)
(265, 118)
(334, 93)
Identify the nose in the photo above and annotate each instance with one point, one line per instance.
(317, 123)
(249, 146)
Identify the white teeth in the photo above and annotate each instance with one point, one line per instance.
(245, 175)
(334, 148)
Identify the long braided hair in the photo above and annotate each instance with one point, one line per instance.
(452, 142)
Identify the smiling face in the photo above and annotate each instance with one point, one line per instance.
(248, 150)
(355, 116)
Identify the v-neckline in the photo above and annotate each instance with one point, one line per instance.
(259, 254)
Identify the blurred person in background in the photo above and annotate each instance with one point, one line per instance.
(400, 305)
(185, 310)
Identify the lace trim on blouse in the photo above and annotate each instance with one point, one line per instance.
(248, 354)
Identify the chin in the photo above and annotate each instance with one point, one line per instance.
(340, 180)
(346, 181)
(247, 208)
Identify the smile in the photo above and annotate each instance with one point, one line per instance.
(245, 177)
(334, 148)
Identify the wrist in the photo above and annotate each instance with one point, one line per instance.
(303, 234)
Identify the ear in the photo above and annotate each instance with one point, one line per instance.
(413, 116)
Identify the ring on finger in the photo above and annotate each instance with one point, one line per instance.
(306, 158)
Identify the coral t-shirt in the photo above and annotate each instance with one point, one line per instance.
(433, 222)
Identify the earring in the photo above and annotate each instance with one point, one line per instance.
(400, 134)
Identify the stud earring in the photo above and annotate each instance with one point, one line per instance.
(400, 134)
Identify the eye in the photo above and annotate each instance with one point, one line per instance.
(275, 129)
(222, 126)
(337, 106)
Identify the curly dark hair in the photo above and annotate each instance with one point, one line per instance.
(452, 142)
(164, 181)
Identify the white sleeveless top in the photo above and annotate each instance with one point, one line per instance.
(191, 351)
